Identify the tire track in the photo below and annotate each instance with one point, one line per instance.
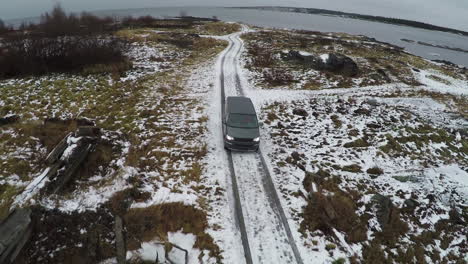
(267, 181)
(237, 202)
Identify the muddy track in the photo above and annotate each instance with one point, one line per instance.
(258, 177)
(238, 208)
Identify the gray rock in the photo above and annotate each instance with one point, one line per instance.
(341, 64)
(336, 63)
(410, 204)
(384, 208)
(372, 102)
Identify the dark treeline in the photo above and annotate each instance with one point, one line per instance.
(62, 42)
(59, 23)
(388, 20)
(4, 28)
(84, 43)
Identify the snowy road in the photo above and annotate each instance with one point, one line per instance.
(265, 232)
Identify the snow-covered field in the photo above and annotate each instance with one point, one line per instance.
(151, 153)
(343, 147)
(366, 170)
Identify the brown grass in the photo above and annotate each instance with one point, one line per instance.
(145, 224)
(220, 28)
(358, 143)
(328, 212)
(338, 211)
(352, 168)
(336, 121)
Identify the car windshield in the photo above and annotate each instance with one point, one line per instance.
(242, 121)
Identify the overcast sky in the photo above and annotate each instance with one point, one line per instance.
(450, 13)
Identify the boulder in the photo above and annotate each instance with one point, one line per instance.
(384, 208)
(341, 64)
(296, 156)
(333, 62)
(410, 205)
(372, 102)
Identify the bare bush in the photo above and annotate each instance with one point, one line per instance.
(277, 76)
(261, 57)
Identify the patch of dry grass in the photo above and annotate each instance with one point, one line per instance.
(335, 211)
(146, 224)
(219, 28)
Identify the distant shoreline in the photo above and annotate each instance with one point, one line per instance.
(380, 19)
(434, 46)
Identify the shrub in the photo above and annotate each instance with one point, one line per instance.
(336, 121)
(277, 76)
(352, 168)
(358, 143)
(261, 56)
(330, 246)
(375, 171)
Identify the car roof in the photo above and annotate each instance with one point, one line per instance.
(240, 105)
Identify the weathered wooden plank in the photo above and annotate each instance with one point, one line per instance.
(76, 158)
(88, 131)
(120, 241)
(8, 119)
(55, 154)
(15, 232)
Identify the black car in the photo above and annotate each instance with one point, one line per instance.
(240, 126)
